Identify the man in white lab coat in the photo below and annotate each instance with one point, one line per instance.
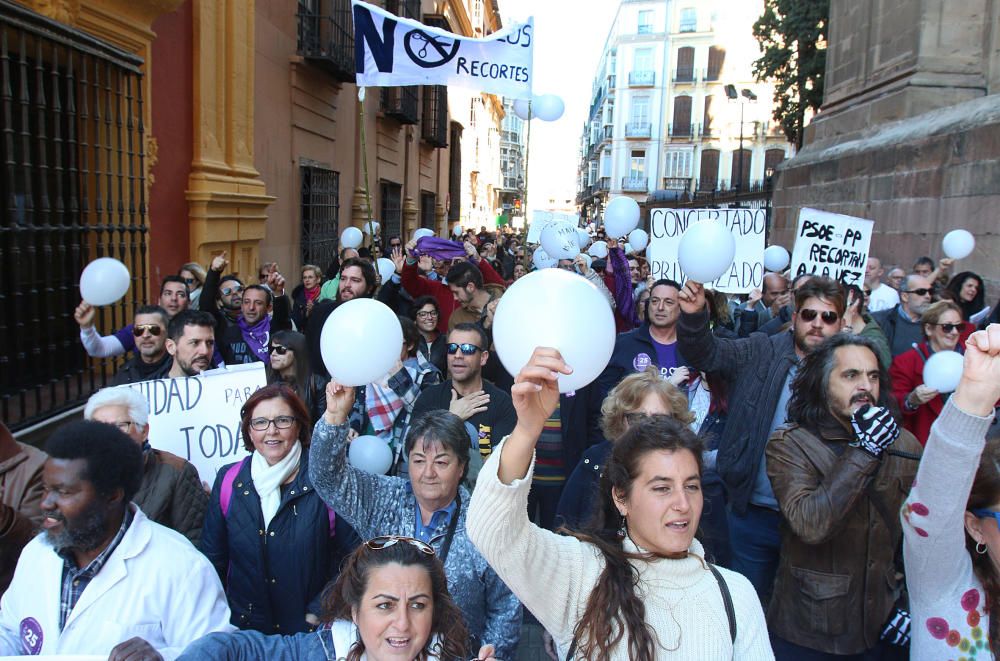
(102, 578)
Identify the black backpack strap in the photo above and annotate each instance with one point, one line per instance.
(727, 600)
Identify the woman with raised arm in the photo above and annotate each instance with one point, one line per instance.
(951, 544)
(638, 586)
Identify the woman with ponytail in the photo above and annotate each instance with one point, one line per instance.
(951, 544)
(636, 584)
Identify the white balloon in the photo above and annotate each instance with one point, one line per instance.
(943, 370)
(422, 232)
(370, 454)
(958, 244)
(706, 250)
(560, 240)
(548, 107)
(351, 237)
(542, 260)
(587, 258)
(638, 239)
(371, 227)
(583, 238)
(598, 249)
(628, 248)
(385, 268)
(521, 108)
(360, 342)
(559, 304)
(621, 216)
(457, 231)
(104, 281)
(776, 259)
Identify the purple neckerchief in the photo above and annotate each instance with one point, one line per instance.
(623, 286)
(257, 336)
(439, 248)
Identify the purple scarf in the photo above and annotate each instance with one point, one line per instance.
(623, 286)
(257, 337)
(439, 248)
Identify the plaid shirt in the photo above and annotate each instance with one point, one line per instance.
(75, 581)
(388, 402)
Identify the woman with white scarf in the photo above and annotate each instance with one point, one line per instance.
(272, 539)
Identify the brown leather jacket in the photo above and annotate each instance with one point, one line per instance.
(20, 506)
(837, 578)
(172, 494)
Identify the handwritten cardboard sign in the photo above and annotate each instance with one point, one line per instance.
(667, 226)
(198, 417)
(832, 245)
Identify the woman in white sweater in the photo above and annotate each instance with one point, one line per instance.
(638, 586)
(951, 545)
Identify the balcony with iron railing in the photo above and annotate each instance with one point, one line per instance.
(607, 133)
(711, 75)
(635, 184)
(400, 103)
(641, 78)
(684, 75)
(681, 130)
(677, 183)
(326, 37)
(638, 130)
(708, 132)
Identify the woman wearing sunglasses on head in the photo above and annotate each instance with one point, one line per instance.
(390, 602)
(636, 585)
(273, 541)
(193, 275)
(921, 405)
(290, 364)
(429, 505)
(951, 543)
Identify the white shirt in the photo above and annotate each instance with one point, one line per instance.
(155, 585)
(882, 297)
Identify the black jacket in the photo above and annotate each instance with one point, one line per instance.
(634, 351)
(228, 336)
(492, 425)
(274, 576)
(134, 370)
(438, 354)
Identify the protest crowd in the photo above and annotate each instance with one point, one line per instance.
(753, 476)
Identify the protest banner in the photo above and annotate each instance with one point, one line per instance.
(198, 417)
(390, 51)
(832, 245)
(541, 219)
(667, 226)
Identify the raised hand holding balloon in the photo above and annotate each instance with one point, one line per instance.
(706, 251)
(360, 342)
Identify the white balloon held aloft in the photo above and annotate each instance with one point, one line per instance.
(547, 107)
(351, 237)
(560, 240)
(457, 231)
(598, 250)
(638, 239)
(422, 232)
(360, 342)
(104, 281)
(522, 109)
(542, 260)
(943, 370)
(706, 250)
(583, 238)
(559, 304)
(371, 227)
(621, 216)
(628, 248)
(385, 268)
(776, 259)
(370, 454)
(958, 244)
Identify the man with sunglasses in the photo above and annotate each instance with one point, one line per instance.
(173, 300)
(901, 324)
(486, 408)
(759, 370)
(151, 360)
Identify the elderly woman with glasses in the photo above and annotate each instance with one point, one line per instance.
(390, 603)
(430, 506)
(921, 404)
(273, 541)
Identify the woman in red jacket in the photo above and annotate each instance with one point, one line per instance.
(942, 324)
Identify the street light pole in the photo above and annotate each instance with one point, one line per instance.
(742, 97)
(739, 181)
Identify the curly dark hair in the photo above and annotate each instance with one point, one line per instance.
(113, 459)
(341, 598)
(614, 609)
(277, 390)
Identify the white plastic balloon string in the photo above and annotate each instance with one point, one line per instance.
(364, 167)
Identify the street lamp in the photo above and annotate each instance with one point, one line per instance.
(743, 97)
